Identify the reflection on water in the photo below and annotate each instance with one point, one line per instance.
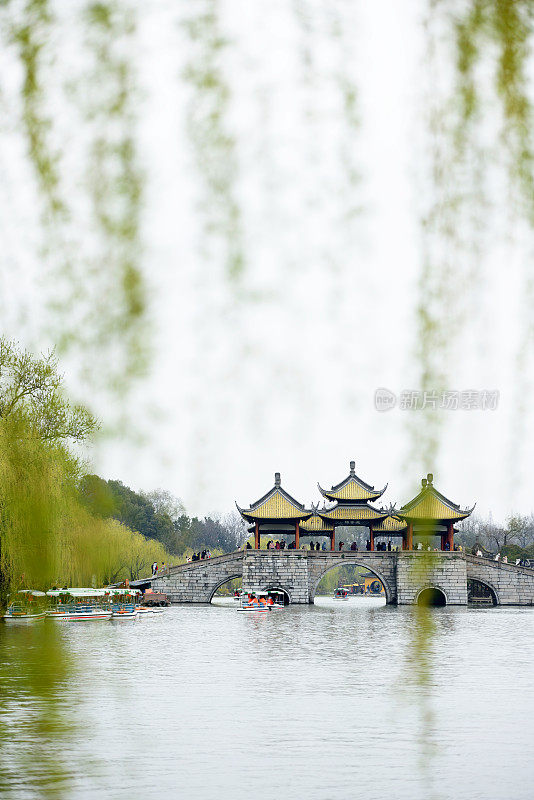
(314, 702)
(36, 715)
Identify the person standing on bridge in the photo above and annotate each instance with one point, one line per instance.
(155, 568)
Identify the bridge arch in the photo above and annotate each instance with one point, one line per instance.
(276, 586)
(431, 595)
(220, 583)
(355, 562)
(492, 590)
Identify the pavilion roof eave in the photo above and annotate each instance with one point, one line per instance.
(353, 515)
(430, 505)
(251, 517)
(276, 504)
(316, 524)
(429, 521)
(276, 490)
(267, 526)
(391, 525)
(366, 492)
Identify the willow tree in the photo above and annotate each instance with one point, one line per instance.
(38, 474)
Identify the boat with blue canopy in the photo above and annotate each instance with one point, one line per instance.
(27, 605)
(79, 604)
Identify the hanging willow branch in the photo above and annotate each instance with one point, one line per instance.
(213, 143)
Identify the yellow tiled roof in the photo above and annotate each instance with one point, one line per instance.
(351, 489)
(277, 504)
(430, 504)
(353, 513)
(390, 525)
(315, 524)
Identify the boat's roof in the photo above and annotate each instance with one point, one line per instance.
(34, 592)
(78, 592)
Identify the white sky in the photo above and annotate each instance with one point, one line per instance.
(240, 388)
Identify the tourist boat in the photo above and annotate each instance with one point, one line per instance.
(341, 594)
(123, 603)
(124, 611)
(143, 610)
(278, 599)
(27, 608)
(253, 608)
(80, 605)
(248, 605)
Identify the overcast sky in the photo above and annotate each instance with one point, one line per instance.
(277, 371)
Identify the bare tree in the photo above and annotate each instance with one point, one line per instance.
(165, 502)
(521, 529)
(33, 387)
(236, 528)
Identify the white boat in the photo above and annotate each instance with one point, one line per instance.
(124, 611)
(278, 598)
(258, 602)
(341, 594)
(27, 608)
(79, 613)
(80, 605)
(124, 603)
(142, 610)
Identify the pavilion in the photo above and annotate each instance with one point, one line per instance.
(428, 514)
(276, 513)
(317, 526)
(351, 504)
(393, 526)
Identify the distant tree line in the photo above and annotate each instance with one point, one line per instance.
(161, 516)
(515, 538)
(48, 537)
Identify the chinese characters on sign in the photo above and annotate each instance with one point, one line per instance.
(449, 400)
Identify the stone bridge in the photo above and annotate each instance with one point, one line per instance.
(404, 575)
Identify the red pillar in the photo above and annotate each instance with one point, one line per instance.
(450, 535)
(443, 541)
(409, 537)
(257, 535)
(333, 540)
(297, 535)
(371, 537)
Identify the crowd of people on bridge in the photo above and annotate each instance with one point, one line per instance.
(519, 562)
(199, 556)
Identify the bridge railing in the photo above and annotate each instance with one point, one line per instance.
(234, 555)
(487, 561)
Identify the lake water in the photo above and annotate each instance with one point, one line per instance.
(336, 700)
